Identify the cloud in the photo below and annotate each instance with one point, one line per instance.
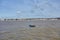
(31, 8)
(47, 7)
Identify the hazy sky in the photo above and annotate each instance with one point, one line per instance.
(29, 8)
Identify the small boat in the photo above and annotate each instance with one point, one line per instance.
(32, 26)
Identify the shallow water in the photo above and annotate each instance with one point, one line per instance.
(20, 30)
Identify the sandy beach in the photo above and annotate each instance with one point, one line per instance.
(20, 30)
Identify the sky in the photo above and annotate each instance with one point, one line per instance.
(29, 8)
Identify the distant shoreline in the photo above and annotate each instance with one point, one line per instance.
(16, 19)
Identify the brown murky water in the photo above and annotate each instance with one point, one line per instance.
(20, 30)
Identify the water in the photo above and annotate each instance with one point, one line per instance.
(20, 30)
